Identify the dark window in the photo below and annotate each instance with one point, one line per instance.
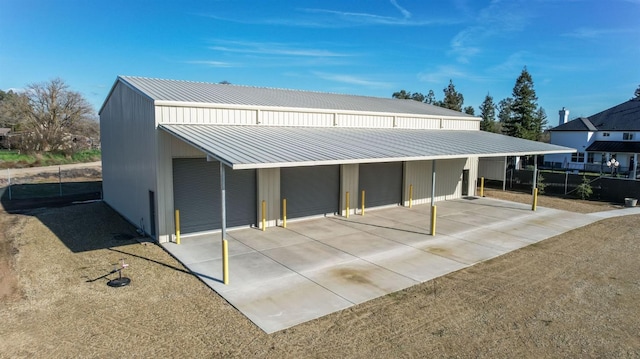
(606, 134)
(627, 136)
(577, 157)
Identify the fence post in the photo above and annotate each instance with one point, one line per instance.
(60, 180)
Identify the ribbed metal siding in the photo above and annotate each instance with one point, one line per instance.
(310, 190)
(196, 191)
(382, 183)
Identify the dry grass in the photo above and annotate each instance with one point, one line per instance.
(574, 295)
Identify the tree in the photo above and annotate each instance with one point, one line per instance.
(431, 98)
(525, 120)
(50, 116)
(584, 189)
(402, 94)
(469, 110)
(453, 100)
(488, 114)
(637, 93)
(417, 96)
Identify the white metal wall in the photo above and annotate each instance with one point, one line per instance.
(449, 178)
(292, 117)
(269, 191)
(492, 168)
(418, 174)
(129, 154)
(349, 183)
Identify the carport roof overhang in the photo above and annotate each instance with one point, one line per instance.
(256, 146)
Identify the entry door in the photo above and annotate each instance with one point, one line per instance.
(465, 182)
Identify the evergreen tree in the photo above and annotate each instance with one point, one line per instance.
(402, 94)
(431, 98)
(469, 110)
(488, 114)
(525, 120)
(636, 94)
(453, 100)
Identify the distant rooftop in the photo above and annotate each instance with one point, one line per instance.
(226, 94)
(623, 117)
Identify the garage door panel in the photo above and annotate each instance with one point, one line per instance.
(382, 183)
(310, 190)
(196, 190)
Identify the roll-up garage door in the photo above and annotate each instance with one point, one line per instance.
(382, 183)
(196, 193)
(310, 190)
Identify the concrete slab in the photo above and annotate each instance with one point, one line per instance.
(283, 277)
(284, 302)
(413, 263)
(359, 281)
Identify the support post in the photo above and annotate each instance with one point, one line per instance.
(535, 171)
(504, 178)
(264, 215)
(225, 245)
(535, 199)
(481, 186)
(635, 166)
(177, 226)
(433, 198)
(410, 195)
(362, 213)
(284, 213)
(347, 200)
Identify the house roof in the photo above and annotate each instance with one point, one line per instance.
(614, 147)
(245, 147)
(174, 92)
(623, 117)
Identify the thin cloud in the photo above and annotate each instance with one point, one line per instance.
(441, 75)
(497, 19)
(211, 63)
(273, 49)
(404, 11)
(350, 79)
(592, 33)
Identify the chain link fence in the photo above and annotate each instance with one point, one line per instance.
(51, 182)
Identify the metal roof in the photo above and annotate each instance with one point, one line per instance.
(244, 147)
(188, 92)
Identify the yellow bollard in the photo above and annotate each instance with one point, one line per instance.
(225, 262)
(481, 186)
(433, 220)
(347, 199)
(264, 215)
(177, 226)
(535, 199)
(362, 203)
(410, 195)
(284, 213)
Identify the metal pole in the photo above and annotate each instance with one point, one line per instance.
(566, 181)
(362, 213)
(535, 172)
(225, 245)
(504, 177)
(177, 226)
(410, 195)
(60, 180)
(433, 198)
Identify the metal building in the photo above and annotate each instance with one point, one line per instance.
(165, 144)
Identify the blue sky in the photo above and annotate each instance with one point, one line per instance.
(582, 55)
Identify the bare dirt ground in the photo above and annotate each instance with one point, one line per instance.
(574, 295)
(572, 205)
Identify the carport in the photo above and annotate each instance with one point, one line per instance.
(323, 165)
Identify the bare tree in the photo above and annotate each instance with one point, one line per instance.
(50, 116)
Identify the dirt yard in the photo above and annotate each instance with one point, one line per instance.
(574, 295)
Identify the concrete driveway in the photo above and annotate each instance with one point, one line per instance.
(283, 277)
